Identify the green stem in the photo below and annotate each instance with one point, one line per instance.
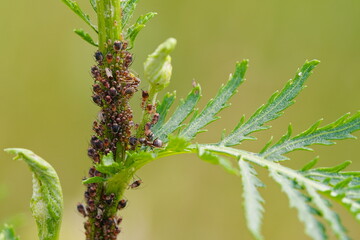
(109, 21)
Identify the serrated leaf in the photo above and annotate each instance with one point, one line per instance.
(252, 199)
(185, 108)
(108, 165)
(212, 158)
(273, 109)
(134, 30)
(321, 181)
(128, 8)
(328, 214)
(163, 108)
(310, 164)
(94, 180)
(177, 144)
(214, 106)
(77, 10)
(47, 200)
(313, 227)
(94, 5)
(8, 233)
(340, 129)
(84, 35)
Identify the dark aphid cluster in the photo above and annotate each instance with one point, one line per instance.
(114, 131)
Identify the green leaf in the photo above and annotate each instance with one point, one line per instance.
(273, 109)
(94, 180)
(108, 165)
(134, 30)
(214, 106)
(128, 8)
(177, 144)
(8, 233)
(185, 108)
(328, 214)
(84, 35)
(163, 108)
(297, 200)
(94, 5)
(77, 10)
(324, 182)
(340, 129)
(252, 199)
(47, 199)
(212, 158)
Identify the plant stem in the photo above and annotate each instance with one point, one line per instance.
(109, 21)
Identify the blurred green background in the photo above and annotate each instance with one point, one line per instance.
(45, 104)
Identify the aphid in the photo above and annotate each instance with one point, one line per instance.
(124, 45)
(109, 57)
(129, 90)
(136, 184)
(149, 108)
(81, 209)
(98, 144)
(142, 140)
(122, 204)
(157, 143)
(117, 45)
(96, 99)
(99, 56)
(128, 60)
(91, 152)
(96, 88)
(112, 92)
(132, 141)
(115, 128)
(109, 73)
(155, 118)
(119, 220)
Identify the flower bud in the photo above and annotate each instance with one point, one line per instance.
(158, 67)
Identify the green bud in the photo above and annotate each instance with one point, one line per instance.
(158, 67)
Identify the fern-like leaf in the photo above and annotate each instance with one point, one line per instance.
(77, 10)
(208, 114)
(128, 8)
(163, 108)
(252, 199)
(185, 108)
(273, 109)
(93, 5)
(47, 199)
(340, 129)
(85, 36)
(134, 30)
(305, 212)
(332, 217)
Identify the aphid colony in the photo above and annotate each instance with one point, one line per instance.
(115, 131)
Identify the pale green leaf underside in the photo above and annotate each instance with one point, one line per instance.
(163, 108)
(8, 233)
(134, 30)
(297, 200)
(340, 129)
(128, 8)
(47, 200)
(215, 105)
(273, 109)
(185, 108)
(252, 199)
(85, 36)
(77, 10)
(332, 217)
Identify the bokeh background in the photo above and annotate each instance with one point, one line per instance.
(45, 106)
